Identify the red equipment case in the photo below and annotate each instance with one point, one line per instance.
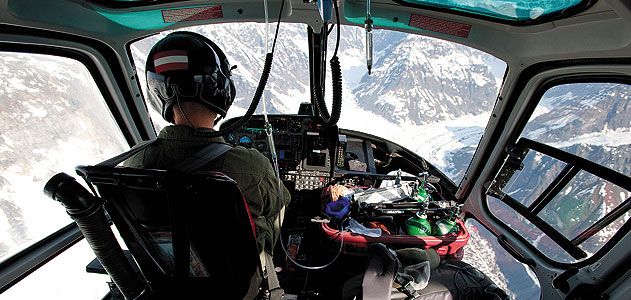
(447, 245)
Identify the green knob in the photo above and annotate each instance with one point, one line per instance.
(422, 195)
(444, 227)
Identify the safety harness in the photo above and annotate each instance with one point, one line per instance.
(406, 286)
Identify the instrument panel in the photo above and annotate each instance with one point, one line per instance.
(304, 146)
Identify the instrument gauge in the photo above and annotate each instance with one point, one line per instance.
(245, 141)
(295, 126)
(261, 146)
(231, 138)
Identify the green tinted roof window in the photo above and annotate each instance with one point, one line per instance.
(131, 3)
(511, 10)
(127, 1)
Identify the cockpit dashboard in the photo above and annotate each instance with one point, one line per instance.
(312, 155)
(304, 147)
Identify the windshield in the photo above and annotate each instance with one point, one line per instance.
(430, 96)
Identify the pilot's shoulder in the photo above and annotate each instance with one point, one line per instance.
(252, 159)
(248, 153)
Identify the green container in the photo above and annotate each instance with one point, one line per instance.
(444, 227)
(418, 225)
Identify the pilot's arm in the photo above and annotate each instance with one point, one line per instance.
(259, 186)
(274, 208)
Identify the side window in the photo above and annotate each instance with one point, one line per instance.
(567, 176)
(52, 118)
(485, 253)
(53, 279)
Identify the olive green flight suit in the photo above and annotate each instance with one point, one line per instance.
(249, 168)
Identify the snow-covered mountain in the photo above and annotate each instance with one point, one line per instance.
(415, 79)
(569, 112)
(420, 80)
(51, 116)
(484, 253)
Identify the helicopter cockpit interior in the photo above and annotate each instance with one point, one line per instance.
(431, 150)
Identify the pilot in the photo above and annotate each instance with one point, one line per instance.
(189, 82)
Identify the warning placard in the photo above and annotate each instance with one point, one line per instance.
(192, 14)
(440, 25)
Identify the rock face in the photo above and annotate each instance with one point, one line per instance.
(419, 80)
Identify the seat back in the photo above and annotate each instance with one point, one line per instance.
(189, 233)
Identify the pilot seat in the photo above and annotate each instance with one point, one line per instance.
(190, 234)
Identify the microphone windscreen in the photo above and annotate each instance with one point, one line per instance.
(412, 256)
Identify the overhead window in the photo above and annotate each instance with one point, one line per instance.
(52, 118)
(129, 3)
(568, 175)
(509, 10)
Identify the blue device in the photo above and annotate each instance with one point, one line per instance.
(324, 7)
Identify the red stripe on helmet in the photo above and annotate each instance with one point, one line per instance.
(171, 67)
(170, 53)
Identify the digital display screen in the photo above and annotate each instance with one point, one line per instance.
(286, 154)
(279, 124)
(316, 159)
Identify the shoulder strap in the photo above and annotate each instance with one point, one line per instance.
(202, 157)
(114, 161)
(197, 160)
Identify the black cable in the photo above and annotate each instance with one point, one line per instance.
(337, 255)
(255, 103)
(336, 77)
(280, 14)
(328, 32)
(337, 17)
(267, 67)
(330, 29)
